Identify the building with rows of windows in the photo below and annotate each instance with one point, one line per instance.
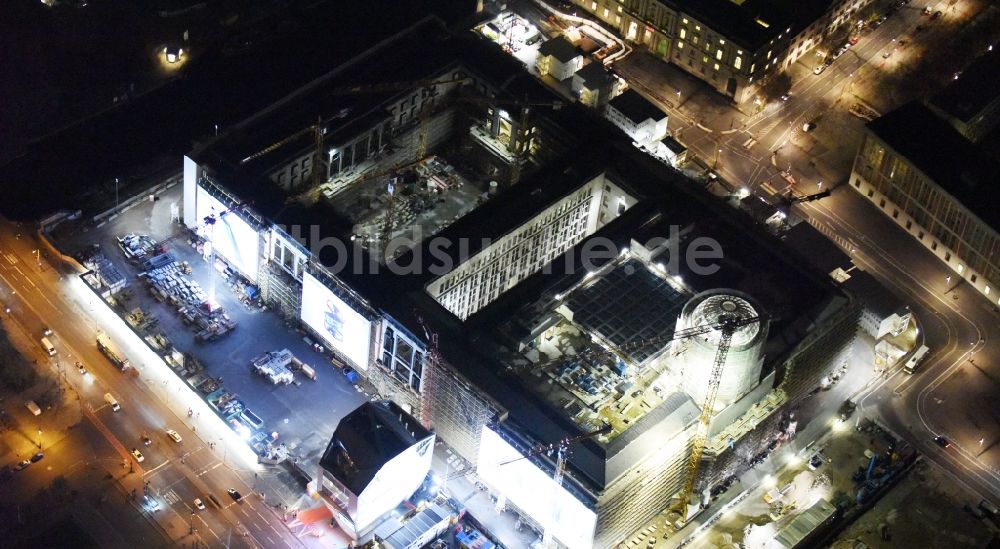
(938, 186)
(732, 46)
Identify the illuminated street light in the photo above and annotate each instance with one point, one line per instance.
(39, 439)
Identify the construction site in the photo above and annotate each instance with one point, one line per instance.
(630, 386)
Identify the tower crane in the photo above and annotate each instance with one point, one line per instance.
(726, 324)
(788, 199)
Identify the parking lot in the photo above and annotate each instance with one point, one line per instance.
(304, 413)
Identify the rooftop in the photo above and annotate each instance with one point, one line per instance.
(636, 107)
(594, 75)
(752, 23)
(945, 156)
(368, 438)
(560, 48)
(975, 88)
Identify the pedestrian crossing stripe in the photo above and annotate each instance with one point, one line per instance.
(171, 497)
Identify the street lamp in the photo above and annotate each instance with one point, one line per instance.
(116, 193)
(192, 523)
(819, 185)
(715, 162)
(39, 439)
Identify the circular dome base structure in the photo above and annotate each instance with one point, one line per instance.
(741, 371)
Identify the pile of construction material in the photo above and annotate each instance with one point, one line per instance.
(274, 366)
(137, 246)
(167, 282)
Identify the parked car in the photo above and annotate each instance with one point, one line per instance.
(22, 465)
(854, 40)
(146, 440)
(937, 14)
(819, 69)
(198, 504)
(887, 54)
(137, 455)
(81, 369)
(234, 494)
(37, 457)
(816, 460)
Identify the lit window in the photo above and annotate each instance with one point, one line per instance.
(986, 290)
(593, 6)
(618, 19)
(606, 12)
(704, 59)
(619, 9)
(769, 52)
(684, 33)
(738, 63)
(775, 62)
(716, 66)
(718, 54)
(680, 45)
(960, 269)
(752, 65)
(721, 41)
(740, 52)
(697, 27)
(684, 20)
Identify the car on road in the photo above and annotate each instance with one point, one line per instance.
(174, 436)
(137, 455)
(80, 368)
(37, 457)
(151, 503)
(234, 494)
(146, 440)
(937, 14)
(198, 504)
(46, 331)
(786, 97)
(887, 54)
(22, 465)
(819, 69)
(816, 460)
(854, 40)
(942, 442)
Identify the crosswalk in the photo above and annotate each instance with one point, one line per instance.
(171, 497)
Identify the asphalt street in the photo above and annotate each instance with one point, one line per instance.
(176, 473)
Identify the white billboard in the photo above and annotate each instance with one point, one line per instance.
(232, 238)
(395, 482)
(533, 491)
(339, 325)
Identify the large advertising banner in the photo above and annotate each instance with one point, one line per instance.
(340, 326)
(395, 482)
(535, 492)
(232, 238)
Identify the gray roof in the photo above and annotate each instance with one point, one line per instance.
(594, 75)
(673, 145)
(975, 88)
(799, 528)
(560, 48)
(636, 107)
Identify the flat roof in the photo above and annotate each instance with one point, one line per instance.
(974, 89)
(741, 21)
(937, 149)
(636, 107)
(594, 74)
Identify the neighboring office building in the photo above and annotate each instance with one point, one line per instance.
(558, 58)
(641, 120)
(671, 150)
(379, 455)
(732, 46)
(971, 103)
(594, 85)
(939, 187)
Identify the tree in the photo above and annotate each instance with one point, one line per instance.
(776, 86)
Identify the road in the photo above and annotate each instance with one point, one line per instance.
(175, 473)
(957, 390)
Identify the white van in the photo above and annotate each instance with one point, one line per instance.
(33, 408)
(47, 345)
(112, 402)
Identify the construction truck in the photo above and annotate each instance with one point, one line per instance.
(107, 349)
(274, 366)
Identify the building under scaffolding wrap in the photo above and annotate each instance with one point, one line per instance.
(551, 305)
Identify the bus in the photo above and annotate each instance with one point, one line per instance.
(915, 360)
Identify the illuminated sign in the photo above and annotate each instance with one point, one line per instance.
(232, 238)
(395, 482)
(535, 493)
(340, 326)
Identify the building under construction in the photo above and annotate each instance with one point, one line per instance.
(510, 271)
